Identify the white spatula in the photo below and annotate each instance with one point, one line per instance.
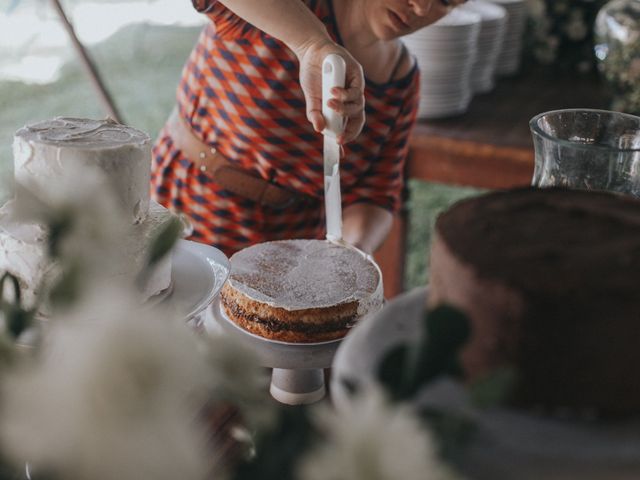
(333, 75)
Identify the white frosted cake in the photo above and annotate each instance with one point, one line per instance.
(301, 291)
(47, 151)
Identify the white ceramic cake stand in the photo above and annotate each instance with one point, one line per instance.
(198, 272)
(298, 375)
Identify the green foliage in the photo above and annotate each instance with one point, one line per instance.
(58, 226)
(494, 389)
(450, 429)
(66, 290)
(10, 473)
(426, 201)
(164, 240)
(16, 317)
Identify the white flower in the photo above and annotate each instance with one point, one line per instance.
(373, 440)
(537, 9)
(114, 394)
(576, 28)
(90, 214)
(235, 377)
(560, 7)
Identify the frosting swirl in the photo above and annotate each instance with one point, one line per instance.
(82, 132)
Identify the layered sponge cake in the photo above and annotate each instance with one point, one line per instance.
(301, 291)
(550, 279)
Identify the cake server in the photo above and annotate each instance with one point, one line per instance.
(333, 75)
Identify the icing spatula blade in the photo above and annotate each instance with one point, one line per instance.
(333, 75)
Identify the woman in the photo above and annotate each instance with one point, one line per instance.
(241, 156)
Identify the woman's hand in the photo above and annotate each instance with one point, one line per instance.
(366, 226)
(348, 101)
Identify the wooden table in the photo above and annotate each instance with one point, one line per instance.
(489, 146)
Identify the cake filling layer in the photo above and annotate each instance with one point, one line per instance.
(274, 325)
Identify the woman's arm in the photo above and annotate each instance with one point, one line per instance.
(291, 22)
(366, 226)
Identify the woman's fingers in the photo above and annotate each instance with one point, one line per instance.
(316, 119)
(348, 109)
(351, 94)
(352, 129)
(349, 102)
(350, 99)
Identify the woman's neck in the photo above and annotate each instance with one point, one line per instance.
(354, 28)
(377, 57)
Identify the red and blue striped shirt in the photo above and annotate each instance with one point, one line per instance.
(240, 92)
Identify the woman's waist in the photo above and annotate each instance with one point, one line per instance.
(244, 171)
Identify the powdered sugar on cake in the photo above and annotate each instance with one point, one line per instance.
(302, 274)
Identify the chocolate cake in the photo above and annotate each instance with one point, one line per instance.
(300, 291)
(550, 279)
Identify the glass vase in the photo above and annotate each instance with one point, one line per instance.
(617, 50)
(587, 149)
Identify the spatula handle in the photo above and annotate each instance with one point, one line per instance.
(333, 75)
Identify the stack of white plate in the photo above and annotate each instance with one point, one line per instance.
(509, 58)
(490, 41)
(446, 52)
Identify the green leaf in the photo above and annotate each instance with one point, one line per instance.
(167, 236)
(392, 371)
(494, 389)
(67, 288)
(404, 369)
(18, 320)
(16, 317)
(58, 226)
(451, 430)
(9, 277)
(446, 331)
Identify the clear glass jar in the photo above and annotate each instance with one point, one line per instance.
(617, 49)
(587, 149)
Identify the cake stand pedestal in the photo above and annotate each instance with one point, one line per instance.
(298, 368)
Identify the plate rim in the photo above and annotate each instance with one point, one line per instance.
(203, 253)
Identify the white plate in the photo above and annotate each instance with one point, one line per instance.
(198, 272)
(357, 358)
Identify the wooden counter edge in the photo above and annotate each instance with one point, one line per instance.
(468, 163)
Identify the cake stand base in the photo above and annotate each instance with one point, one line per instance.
(297, 387)
(298, 368)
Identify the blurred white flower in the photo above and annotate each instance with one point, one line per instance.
(576, 28)
(85, 201)
(237, 378)
(571, 23)
(373, 440)
(560, 7)
(537, 9)
(83, 221)
(113, 394)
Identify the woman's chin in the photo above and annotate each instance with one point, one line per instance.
(384, 32)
